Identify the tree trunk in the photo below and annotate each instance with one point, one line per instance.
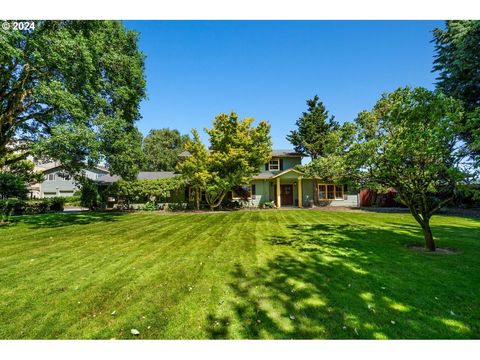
(427, 234)
(197, 199)
(316, 196)
(424, 222)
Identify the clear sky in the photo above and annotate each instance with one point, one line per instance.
(267, 69)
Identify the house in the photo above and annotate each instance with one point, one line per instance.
(58, 182)
(279, 181)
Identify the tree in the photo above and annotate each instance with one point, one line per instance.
(407, 142)
(15, 178)
(145, 190)
(314, 132)
(161, 148)
(237, 151)
(12, 186)
(66, 88)
(457, 60)
(333, 166)
(194, 168)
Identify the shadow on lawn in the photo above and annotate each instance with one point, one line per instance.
(338, 281)
(53, 220)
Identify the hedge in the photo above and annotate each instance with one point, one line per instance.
(20, 207)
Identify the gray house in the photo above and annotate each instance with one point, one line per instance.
(58, 182)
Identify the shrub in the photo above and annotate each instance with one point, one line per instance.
(90, 197)
(12, 186)
(179, 206)
(14, 206)
(269, 205)
(56, 203)
(151, 206)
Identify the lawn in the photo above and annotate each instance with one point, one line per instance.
(250, 274)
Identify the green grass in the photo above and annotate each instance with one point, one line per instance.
(252, 274)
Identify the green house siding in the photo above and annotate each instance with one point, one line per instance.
(265, 191)
(262, 192)
(285, 164)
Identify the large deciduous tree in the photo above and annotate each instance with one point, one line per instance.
(315, 129)
(70, 91)
(407, 142)
(237, 151)
(457, 61)
(194, 168)
(161, 148)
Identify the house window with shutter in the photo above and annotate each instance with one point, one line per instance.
(274, 165)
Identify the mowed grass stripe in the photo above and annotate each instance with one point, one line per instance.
(237, 275)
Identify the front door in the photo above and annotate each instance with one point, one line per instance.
(286, 194)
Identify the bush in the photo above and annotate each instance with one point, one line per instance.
(55, 203)
(12, 186)
(90, 197)
(151, 206)
(269, 205)
(73, 200)
(14, 206)
(179, 206)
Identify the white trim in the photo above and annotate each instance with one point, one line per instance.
(277, 160)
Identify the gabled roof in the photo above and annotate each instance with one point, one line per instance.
(287, 171)
(271, 175)
(285, 153)
(54, 165)
(142, 175)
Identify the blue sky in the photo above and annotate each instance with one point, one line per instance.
(267, 69)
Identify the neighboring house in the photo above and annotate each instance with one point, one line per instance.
(58, 182)
(277, 181)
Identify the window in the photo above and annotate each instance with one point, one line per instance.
(338, 192)
(242, 192)
(330, 192)
(322, 194)
(274, 165)
(253, 192)
(51, 177)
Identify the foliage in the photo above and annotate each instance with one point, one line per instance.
(333, 166)
(151, 206)
(12, 186)
(15, 177)
(14, 206)
(237, 150)
(407, 143)
(315, 135)
(147, 190)
(195, 168)
(90, 196)
(74, 200)
(468, 195)
(70, 91)
(457, 61)
(26, 170)
(269, 205)
(161, 148)
(314, 129)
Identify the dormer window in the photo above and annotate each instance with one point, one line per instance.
(274, 165)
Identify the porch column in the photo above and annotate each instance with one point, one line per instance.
(278, 193)
(299, 187)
